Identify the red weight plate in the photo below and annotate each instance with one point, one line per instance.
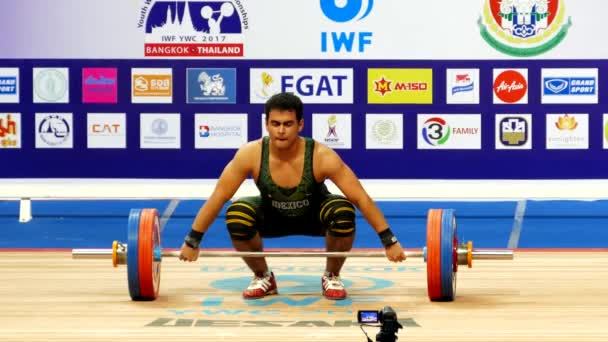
(433, 259)
(149, 240)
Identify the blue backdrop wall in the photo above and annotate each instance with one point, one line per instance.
(406, 163)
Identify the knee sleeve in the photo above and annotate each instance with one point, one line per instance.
(241, 221)
(338, 217)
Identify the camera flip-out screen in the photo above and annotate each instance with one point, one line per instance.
(368, 316)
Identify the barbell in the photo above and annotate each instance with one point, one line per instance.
(143, 254)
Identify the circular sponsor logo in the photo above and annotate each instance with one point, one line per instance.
(54, 130)
(436, 131)
(160, 126)
(384, 131)
(510, 86)
(50, 85)
(524, 27)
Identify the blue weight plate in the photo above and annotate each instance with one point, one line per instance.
(133, 254)
(448, 276)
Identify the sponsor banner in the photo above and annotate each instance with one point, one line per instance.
(220, 130)
(159, 131)
(311, 85)
(333, 130)
(320, 30)
(462, 86)
(569, 86)
(384, 131)
(513, 131)
(10, 130)
(400, 86)
(605, 131)
(51, 85)
(449, 131)
(99, 85)
(54, 130)
(9, 85)
(567, 131)
(510, 86)
(151, 85)
(209, 85)
(106, 130)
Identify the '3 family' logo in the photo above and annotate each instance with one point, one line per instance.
(342, 11)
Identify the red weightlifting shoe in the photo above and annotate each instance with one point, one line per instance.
(333, 287)
(261, 285)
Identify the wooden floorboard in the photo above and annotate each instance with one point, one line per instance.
(539, 296)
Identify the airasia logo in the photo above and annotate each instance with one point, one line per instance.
(510, 86)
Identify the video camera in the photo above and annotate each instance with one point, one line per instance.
(387, 318)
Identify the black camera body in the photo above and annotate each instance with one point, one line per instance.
(387, 318)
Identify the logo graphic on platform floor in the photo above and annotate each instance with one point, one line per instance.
(194, 28)
(10, 130)
(524, 27)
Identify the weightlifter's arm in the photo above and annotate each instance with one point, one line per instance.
(345, 179)
(234, 174)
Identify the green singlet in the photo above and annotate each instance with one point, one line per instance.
(294, 210)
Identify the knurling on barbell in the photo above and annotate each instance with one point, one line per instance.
(143, 254)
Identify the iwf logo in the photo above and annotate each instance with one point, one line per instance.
(194, 28)
(344, 11)
(524, 28)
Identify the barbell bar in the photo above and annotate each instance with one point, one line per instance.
(143, 254)
(121, 248)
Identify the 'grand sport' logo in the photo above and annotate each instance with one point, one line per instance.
(524, 27)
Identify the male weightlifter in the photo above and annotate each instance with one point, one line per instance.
(289, 170)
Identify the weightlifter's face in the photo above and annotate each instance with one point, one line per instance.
(283, 128)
